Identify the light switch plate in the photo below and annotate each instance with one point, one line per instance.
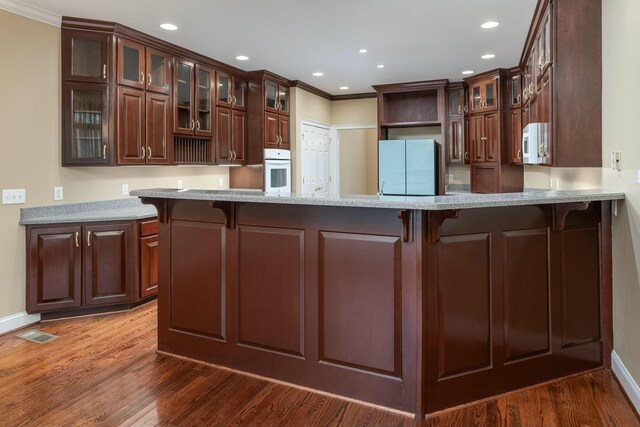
(58, 193)
(125, 189)
(616, 160)
(180, 184)
(14, 197)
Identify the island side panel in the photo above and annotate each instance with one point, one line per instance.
(323, 297)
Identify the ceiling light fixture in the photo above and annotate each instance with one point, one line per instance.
(490, 24)
(344, 87)
(363, 51)
(488, 56)
(380, 65)
(168, 27)
(242, 58)
(467, 72)
(318, 74)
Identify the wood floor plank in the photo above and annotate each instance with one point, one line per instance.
(104, 370)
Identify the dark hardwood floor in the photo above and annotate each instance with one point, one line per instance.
(104, 370)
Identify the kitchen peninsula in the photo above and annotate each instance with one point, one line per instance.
(415, 304)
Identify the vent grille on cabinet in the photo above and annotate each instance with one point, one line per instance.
(192, 151)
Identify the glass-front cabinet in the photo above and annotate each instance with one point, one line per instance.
(276, 97)
(85, 124)
(204, 101)
(184, 122)
(483, 95)
(515, 91)
(86, 57)
(456, 102)
(158, 69)
(232, 91)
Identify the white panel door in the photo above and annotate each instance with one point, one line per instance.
(315, 159)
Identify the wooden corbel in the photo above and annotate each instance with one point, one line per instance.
(161, 206)
(561, 210)
(229, 211)
(435, 220)
(407, 230)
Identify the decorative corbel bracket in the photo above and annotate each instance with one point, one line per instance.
(435, 220)
(407, 230)
(561, 210)
(161, 206)
(229, 211)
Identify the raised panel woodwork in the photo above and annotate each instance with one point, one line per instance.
(108, 270)
(526, 293)
(485, 178)
(580, 286)
(239, 134)
(515, 136)
(131, 126)
(271, 317)
(147, 228)
(455, 139)
(492, 137)
(148, 266)
(360, 301)
(270, 130)
(223, 133)
(158, 135)
(476, 138)
(197, 282)
(283, 132)
(54, 269)
(464, 304)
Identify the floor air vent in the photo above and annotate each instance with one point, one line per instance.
(37, 336)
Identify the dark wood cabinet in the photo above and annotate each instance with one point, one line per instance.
(456, 136)
(232, 91)
(86, 56)
(477, 139)
(515, 136)
(231, 119)
(484, 137)
(80, 266)
(484, 95)
(130, 125)
(194, 92)
(131, 63)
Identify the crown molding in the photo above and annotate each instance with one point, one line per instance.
(32, 12)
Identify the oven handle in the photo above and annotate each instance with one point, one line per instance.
(270, 162)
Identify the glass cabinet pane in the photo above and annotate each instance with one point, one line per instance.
(283, 98)
(86, 124)
(455, 102)
(547, 41)
(131, 63)
(490, 96)
(271, 89)
(204, 100)
(157, 68)
(239, 88)
(86, 58)
(223, 89)
(476, 97)
(184, 95)
(515, 90)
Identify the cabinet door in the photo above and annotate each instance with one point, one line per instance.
(270, 130)
(158, 135)
(283, 132)
(467, 155)
(223, 134)
(224, 98)
(158, 70)
(544, 116)
(477, 138)
(476, 98)
(85, 132)
(283, 99)
(239, 94)
(54, 269)
(148, 266)
(108, 268)
(515, 91)
(490, 95)
(270, 96)
(131, 68)
(492, 137)
(204, 100)
(238, 135)
(85, 56)
(515, 136)
(183, 122)
(130, 125)
(525, 115)
(456, 101)
(455, 139)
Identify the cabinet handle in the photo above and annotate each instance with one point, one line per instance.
(518, 99)
(149, 79)
(104, 71)
(149, 153)
(235, 156)
(235, 101)
(77, 239)
(519, 152)
(459, 109)
(142, 77)
(88, 238)
(466, 108)
(143, 153)
(192, 124)
(104, 151)
(466, 155)
(532, 87)
(484, 138)
(197, 124)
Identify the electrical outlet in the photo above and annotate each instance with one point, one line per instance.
(14, 197)
(125, 189)
(221, 181)
(616, 160)
(58, 193)
(450, 177)
(180, 184)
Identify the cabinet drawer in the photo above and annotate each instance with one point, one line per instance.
(148, 228)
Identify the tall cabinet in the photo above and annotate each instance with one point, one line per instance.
(231, 119)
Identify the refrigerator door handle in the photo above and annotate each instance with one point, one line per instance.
(381, 191)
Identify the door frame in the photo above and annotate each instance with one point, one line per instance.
(334, 154)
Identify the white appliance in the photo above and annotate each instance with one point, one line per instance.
(277, 171)
(533, 143)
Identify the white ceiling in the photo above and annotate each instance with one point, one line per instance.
(414, 39)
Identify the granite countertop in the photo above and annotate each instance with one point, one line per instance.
(109, 210)
(456, 201)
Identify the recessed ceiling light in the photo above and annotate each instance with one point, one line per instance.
(363, 51)
(488, 56)
(318, 74)
(169, 27)
(380, 65)
(242, 58)
(344, 87)
(467, 72)
(490, 24)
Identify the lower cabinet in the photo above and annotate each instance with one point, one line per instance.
(89, 265)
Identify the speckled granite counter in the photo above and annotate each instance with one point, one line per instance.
(109, 210)
(456, 201)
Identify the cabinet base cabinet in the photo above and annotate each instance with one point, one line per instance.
(346, 302)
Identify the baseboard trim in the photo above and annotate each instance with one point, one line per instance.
(629, 385)
(17, 321)
(32, 12)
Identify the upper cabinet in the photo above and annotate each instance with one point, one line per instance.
(232, 92)
(143, 67)
(457, 151)
(86, 56)
(276, 97)
(231, 119)
(194, 91)
(483, 96)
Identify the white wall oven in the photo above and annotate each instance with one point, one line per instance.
(277, 171)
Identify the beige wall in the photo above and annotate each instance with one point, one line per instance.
(354, 111)
(30, 148)
(358, 161)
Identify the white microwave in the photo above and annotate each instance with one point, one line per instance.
(277, 171)
(534, 139)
